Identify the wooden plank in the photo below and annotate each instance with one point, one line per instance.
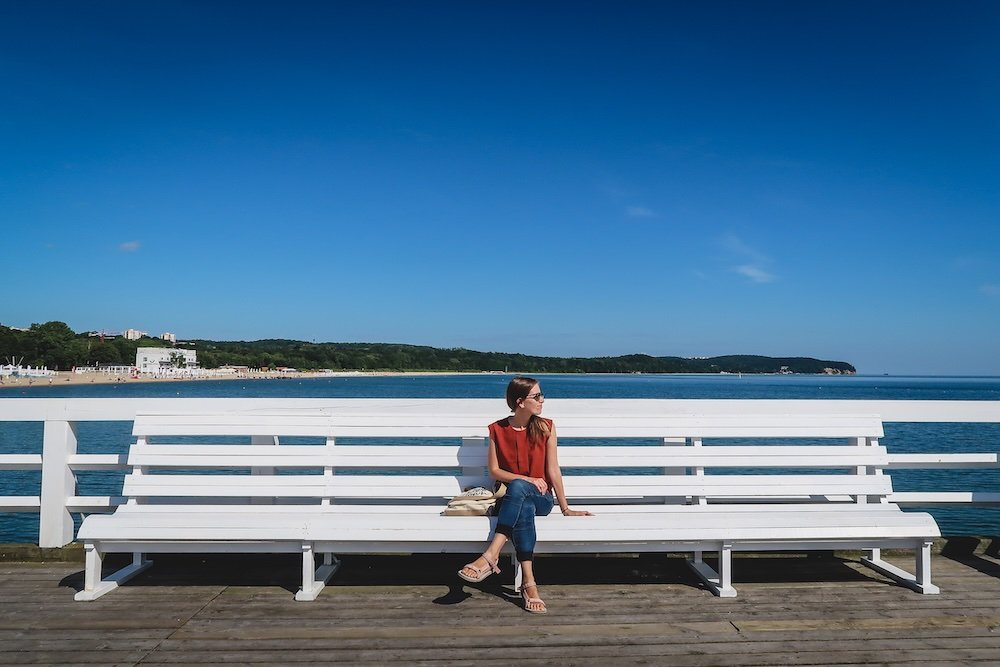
(714, 638)
(402, 456)
(298, 423)
(458, 423)
(361, 620)
(228, 456)
(225, 486)
(721, 456)
(580, 653)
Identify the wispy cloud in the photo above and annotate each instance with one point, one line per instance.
(640, 212)
(735, 244)
(755, 273)
(990, 289)
(753, 264)
(129, 246)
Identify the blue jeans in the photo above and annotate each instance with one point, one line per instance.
(516, 516)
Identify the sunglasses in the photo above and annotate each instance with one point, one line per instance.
(538, 397)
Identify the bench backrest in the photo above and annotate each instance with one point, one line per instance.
(386, 458)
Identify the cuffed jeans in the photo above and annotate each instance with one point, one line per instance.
(516, 516)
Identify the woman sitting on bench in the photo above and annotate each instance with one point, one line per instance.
(522, 455)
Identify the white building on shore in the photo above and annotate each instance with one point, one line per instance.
(166, 361)
(134, 334)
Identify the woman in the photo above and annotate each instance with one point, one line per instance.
(522, 455)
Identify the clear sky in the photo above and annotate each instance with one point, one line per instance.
(567, 178)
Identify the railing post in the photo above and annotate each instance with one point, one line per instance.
(55, 523)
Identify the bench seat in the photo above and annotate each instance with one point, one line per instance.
(433, 533)
(327, 498)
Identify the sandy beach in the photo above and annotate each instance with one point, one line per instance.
(68, 378)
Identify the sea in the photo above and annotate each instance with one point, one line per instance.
(114, 437)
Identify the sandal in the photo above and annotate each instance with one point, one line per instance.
(481, 572)
(528, 600)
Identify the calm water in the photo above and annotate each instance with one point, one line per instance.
(115, 437)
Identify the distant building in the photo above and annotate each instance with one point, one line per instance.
(165, 360)
(105, 369)
(134, 334)
(169, 337)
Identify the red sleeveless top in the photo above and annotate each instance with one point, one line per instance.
(516, 454)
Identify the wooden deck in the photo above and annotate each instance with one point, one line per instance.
(641, 610)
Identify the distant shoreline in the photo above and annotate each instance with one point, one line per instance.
(69, 379)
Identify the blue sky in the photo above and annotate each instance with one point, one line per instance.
(565, 178)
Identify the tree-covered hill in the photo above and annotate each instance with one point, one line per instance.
(391, 356)
(55, 345)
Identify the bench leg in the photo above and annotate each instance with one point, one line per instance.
(721, 582)
(314, 579)
(94, 586)
(920, 582)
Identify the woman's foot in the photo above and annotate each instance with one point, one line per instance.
(532, 603)
(479, 569)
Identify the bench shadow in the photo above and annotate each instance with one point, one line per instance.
(963, 550)
(283, 571)
(441, 569)
(257, 570)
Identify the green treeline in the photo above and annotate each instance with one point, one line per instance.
(387, 356)
(55, 345)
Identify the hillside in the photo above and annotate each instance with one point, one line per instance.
(56, 346)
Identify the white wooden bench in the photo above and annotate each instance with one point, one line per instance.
(331, 497)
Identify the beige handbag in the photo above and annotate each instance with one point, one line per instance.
(477, 501)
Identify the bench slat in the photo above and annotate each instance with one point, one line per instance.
(229, 456)
(436, 508)
(446, 486)
(403, 456)
(323, 422)
(347, 519)
(434, 528)
(225, 486)
(239, 424)
(749, 456)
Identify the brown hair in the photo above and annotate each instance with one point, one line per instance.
(518, 390)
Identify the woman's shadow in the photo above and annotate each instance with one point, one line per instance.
(498, 585)
(494, 586)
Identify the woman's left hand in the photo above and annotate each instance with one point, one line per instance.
(572, 512)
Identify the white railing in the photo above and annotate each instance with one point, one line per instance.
(59, 461)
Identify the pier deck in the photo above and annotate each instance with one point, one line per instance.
(793, 610)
